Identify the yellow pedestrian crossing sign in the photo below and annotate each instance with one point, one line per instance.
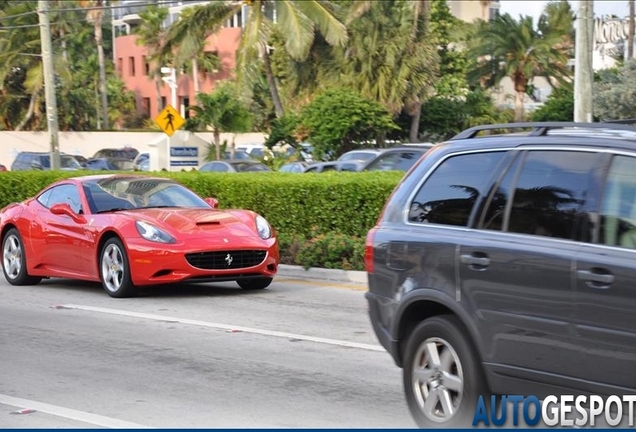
(169, 120)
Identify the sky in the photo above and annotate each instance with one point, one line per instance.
(534, 8)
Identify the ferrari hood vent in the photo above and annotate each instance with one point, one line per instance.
(208, 223)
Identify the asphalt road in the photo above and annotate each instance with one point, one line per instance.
(299, 354)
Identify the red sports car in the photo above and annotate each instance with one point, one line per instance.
(128, 231)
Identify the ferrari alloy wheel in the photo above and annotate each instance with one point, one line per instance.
(442, 374)
(14, 260)
(254, 284)
(114, 270)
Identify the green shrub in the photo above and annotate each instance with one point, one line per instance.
(332, 251)
(310, 212)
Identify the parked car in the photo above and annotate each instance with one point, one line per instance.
(400, 158)
(505, 264)
(294, 167)
(139, 162)
(234, 166)
(2, 168)
(81, 159)
(256, 151)
(319, 167)
(110, 164)
(26, 161)
(361, 154)
(135, 231)
(125, 153)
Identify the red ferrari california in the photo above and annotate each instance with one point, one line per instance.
(129, 231)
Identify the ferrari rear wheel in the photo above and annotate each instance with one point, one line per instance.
(254, 284)
(115, 271)
(14, 260)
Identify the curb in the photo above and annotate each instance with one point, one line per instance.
(342, 276)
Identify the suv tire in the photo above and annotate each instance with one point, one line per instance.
(440, 362)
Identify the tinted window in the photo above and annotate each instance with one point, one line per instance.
(618, 208)
(551, 189)
(214, 167)
(395, 161)
(496, 209)
(65, 194)
(450, 193)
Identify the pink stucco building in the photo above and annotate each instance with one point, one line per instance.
(132, 66)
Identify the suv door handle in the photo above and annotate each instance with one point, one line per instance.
(594, 277)
(473, 260)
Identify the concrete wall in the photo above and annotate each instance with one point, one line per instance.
(87, 143)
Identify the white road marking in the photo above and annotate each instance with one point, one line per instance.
(68, 413)
(228, 327)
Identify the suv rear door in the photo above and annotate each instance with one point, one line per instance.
(516, 269)
(606, 284)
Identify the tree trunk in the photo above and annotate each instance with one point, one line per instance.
(217, 142)
(630, 35)
(414, 131)
(102, 67)
(158, 85)
(519, 106)
(271, 81)
(195, 76)
(29, 113)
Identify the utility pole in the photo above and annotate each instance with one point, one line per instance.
(49, 82)
(583, 70)
(630, 35)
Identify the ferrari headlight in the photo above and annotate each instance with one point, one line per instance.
(152, 233)
(263, 228)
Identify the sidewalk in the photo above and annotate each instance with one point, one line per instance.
(314, 273)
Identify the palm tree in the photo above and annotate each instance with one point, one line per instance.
(222, 111)
(297, 21)
(505, 47)
(95, 15)
(389, 57)
(151, 33)
(186, 38)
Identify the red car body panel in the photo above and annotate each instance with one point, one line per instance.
(66, 247)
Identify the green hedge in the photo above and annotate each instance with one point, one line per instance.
(322, 219)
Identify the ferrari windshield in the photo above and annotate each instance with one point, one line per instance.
(129, 193)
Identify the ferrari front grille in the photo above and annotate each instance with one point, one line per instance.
(225, 260)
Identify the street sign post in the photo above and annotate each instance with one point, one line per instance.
(169, 121)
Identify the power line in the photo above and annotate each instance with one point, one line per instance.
(86, 9)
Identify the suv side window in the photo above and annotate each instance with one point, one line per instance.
(549, 193)
(450, 193)
(618, 207)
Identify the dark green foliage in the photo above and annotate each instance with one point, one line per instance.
(340, 120)
(318, 218)
(558, 107)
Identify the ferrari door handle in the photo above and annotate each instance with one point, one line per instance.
(473, 260)
(595, 276)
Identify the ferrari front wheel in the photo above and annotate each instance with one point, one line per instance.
(115, 270)
(14, 260)
(254, 284)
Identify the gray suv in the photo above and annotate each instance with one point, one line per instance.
(506, 264)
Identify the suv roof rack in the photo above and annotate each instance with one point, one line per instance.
(542, 128)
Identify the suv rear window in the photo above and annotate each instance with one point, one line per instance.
(450, 193)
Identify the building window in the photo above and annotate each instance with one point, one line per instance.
(493, 13)
(131, 63)
(145, 107)
(144, 60)
(163, 103)
(120, 66)
(186, 110)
